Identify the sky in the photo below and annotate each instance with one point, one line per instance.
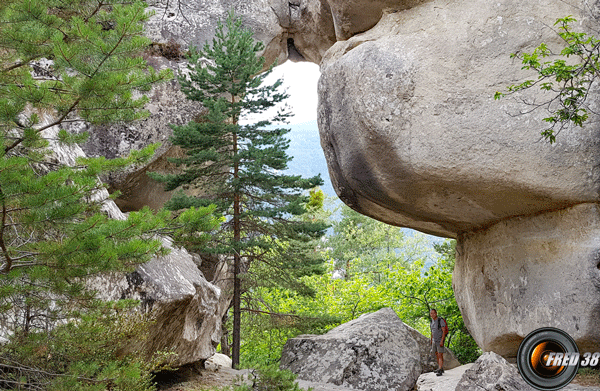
(300, 79)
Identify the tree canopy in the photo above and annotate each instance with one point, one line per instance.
(63, 62)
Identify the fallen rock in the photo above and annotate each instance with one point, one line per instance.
(218, 361)
(186, 308)
(491, 372)
(375, 352)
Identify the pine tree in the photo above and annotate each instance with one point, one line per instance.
(63, 61)
(240, 167)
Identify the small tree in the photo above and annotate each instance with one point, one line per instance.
(239, 167)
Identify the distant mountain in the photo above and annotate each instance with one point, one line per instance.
(308, 158)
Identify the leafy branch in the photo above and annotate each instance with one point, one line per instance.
(568, 81)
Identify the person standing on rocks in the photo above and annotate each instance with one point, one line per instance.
(439, 330)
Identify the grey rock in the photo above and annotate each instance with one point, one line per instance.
(377, 351)
(449, 381)
(186, 309)
(190, 22)
(491, 372)
(530, 272)
(218, 361)
(306, 385)
(357, 16)
(167, 106)
(413, 136)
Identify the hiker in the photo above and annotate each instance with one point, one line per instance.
(439, 330)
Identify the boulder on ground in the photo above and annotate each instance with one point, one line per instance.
(375, 352)
(186, 308)
(218, 361)
(491, 372)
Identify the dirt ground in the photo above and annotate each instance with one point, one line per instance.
(196, 378)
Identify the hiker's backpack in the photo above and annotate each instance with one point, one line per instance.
(440, 326)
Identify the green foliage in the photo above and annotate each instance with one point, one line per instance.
(567, 78)
(410, 288)
(92, 50)
(361, 245)
(60, 62)
(82, 355)
(416, 289)
(270, 378)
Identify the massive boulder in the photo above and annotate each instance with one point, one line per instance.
(492, 372)
(413, 137)
(377, 351)
(412, 133)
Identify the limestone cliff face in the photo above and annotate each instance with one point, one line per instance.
(186, 296)
(413, 137)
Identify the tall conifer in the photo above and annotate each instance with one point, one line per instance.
(238, 166)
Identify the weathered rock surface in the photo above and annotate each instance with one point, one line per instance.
(218, 361)
(413, 136)
(189, 22)
(187, 309)
(377, 351)
(526, 273)
(451, 379)
(167, 105)
(491, 372)
(298, 29)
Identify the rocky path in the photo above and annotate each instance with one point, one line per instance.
(449, 380)
(204, 380)
(193, 378)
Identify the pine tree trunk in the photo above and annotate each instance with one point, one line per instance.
(225, 347)
(237, 313)
(237, 289)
